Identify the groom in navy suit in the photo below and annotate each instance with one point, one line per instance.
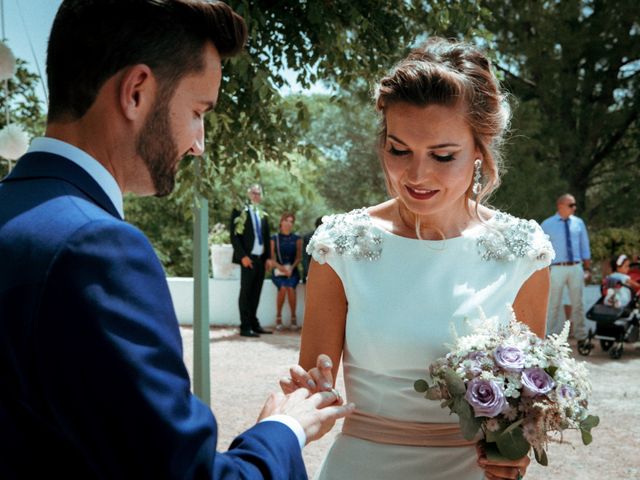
(92, 381)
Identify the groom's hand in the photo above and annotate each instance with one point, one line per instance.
(316, 413)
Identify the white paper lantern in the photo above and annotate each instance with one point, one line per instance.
(7, 63)
(14, 142)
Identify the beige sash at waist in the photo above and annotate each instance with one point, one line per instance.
(397, 432)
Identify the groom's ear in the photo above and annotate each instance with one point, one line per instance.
(137, 91)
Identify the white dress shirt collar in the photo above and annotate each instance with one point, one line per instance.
(85, 161)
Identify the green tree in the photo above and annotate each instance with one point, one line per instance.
(344, 130)
(574, 65)
(608, 243)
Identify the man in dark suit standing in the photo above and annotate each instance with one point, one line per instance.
(92, 381)
(250, 240)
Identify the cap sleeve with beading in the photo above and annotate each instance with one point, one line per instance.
(508, 238)
(347, 235)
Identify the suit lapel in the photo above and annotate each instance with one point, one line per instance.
(48, 165)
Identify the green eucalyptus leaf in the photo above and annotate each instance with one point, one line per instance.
(541, 457)
(469, 427)
(461, 407)
(585, 428)
(420, 386)
(455, 384)
(587, 438)
(492, 452)
(512, 444)
(492, 437)
(590, 422)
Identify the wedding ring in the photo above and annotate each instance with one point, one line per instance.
(336, 393)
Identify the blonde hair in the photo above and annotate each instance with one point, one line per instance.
(450, 73)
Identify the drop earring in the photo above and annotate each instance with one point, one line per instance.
(477, 176)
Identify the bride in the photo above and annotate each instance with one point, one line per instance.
(388, 283)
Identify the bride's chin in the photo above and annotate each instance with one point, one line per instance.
(417, 207)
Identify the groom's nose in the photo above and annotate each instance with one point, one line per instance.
(197, 148)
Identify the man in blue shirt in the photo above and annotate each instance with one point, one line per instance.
(572, 264)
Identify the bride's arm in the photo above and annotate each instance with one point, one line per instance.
(532, 300)
(324, 317)
(322, 333)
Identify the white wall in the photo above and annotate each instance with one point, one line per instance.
(223, 302)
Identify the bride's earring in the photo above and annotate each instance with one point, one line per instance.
(477, 176)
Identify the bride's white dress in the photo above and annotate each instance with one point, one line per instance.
(405, 297)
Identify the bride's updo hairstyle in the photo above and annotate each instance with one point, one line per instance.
(452, 74)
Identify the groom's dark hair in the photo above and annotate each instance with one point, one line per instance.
(91, 40)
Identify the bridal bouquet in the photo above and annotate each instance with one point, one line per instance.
(514, 387)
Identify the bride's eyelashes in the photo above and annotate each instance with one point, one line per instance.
(443, 158)
(397, 153)
(439, 158)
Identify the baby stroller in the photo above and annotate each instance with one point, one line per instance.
(615, 323)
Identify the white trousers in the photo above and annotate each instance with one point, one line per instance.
(571, 276)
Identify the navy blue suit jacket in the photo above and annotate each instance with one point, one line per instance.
(92, 381)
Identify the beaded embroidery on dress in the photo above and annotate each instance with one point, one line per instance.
(349, 234)
(507, 238)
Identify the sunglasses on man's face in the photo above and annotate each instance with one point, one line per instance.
(571, 205)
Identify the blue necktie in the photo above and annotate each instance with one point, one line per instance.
(567, 235)
(258, 226)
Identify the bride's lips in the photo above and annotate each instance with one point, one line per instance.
(421, 193)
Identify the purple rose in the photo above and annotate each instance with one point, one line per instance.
(485, 397)
(509, 358)
(566, 392)
(535, 381)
